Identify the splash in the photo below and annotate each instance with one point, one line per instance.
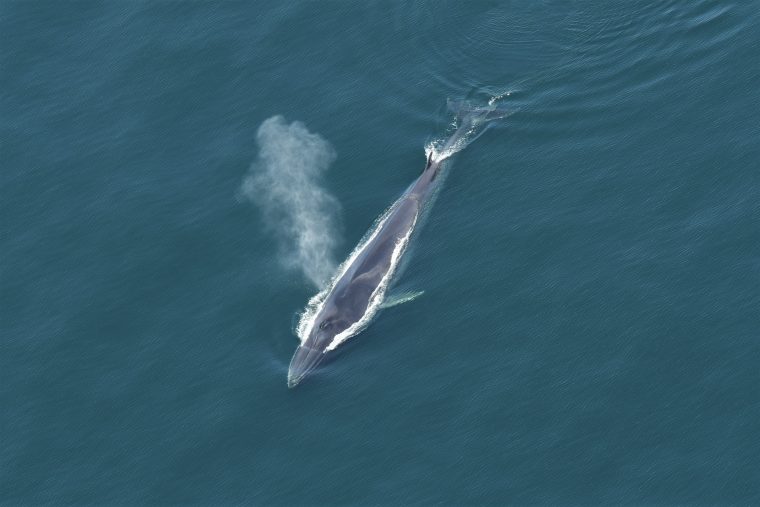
(285, 183)
(441, 149)
(470, 123)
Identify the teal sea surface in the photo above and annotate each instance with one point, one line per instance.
(180, 178)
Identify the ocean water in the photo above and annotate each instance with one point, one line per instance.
(178, 179)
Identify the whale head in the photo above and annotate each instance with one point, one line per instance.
(304, 362)
(313, 350)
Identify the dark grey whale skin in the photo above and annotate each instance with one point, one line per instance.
(349, 298)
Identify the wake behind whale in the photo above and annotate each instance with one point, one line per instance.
(355, 294)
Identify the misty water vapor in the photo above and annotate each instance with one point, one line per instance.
(285, 182)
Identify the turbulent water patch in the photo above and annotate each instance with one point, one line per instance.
(285, 182)
(470, 122)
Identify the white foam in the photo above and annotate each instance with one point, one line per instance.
(467, 128)
(441, 149)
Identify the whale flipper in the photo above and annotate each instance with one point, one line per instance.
(400, 298)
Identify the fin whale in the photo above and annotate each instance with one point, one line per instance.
(357, 291)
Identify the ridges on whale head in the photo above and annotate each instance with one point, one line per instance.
(304, 361)
(312, 351)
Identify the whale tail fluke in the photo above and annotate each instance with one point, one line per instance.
(464, 109)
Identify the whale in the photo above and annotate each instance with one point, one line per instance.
(358, 289)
